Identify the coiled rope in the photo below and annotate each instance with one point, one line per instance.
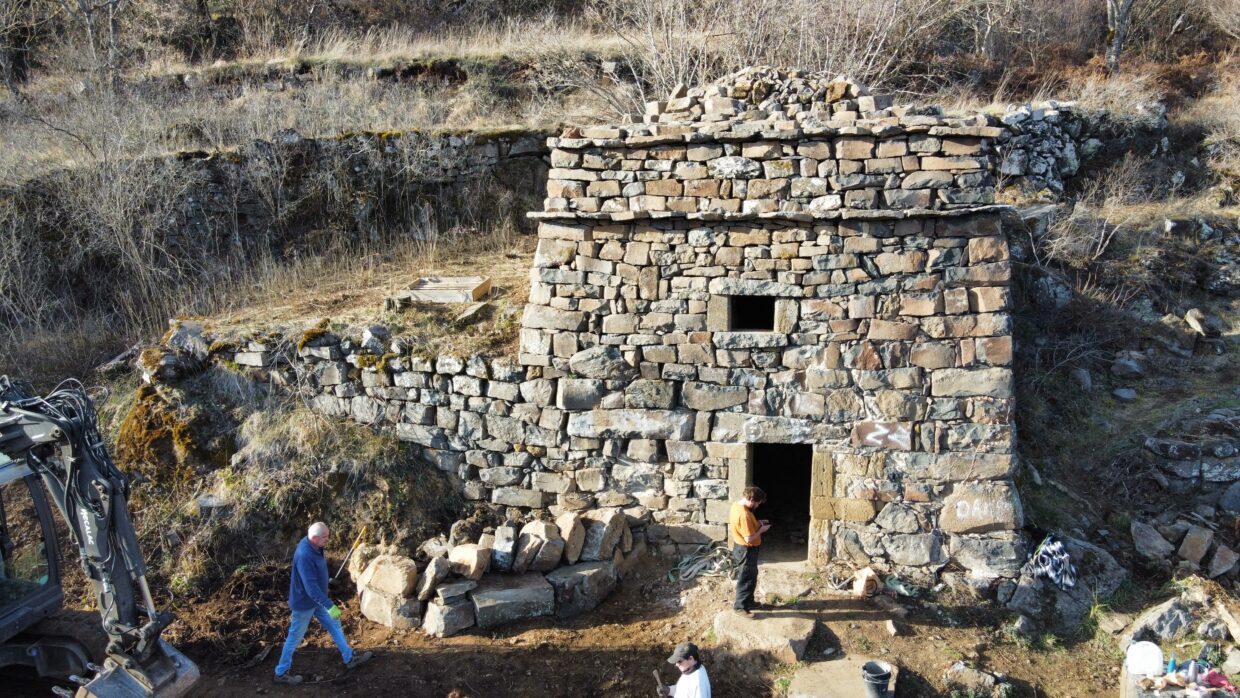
(714, 560)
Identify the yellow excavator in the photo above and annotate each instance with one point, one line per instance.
(51, 449)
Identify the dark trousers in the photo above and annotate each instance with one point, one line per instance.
(747, 579)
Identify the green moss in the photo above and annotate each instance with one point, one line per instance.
(149, 358)
(374, 361)
(154, 442)
(318, 330)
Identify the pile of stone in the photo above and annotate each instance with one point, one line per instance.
(1186, 542)
(763, 93)
(1202, 461)
(492, 577)
(1041, 145)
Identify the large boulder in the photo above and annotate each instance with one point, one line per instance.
(783, 637)
(549, 556)
(443, 619)
(1061, 611)
(464, 531)
(1150, 544)
(582, 587)
(573, 533)
(503, 548)
(436, 546)
(534, 536)
(436, 571)
(394, 575)
(1167, 622)
(469, 560)
(395, 612)
(504, 599)
(361, 559)
(603, 533)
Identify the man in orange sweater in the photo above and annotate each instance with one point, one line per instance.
(746, 538)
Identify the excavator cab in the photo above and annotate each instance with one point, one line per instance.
(30, 589)
(26, 565)
(52, 454)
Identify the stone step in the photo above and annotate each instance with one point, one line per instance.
(501, 599)
(782, 583)
(840, 678)
(784, 634)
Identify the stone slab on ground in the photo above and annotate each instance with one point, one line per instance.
(582, 587)
(501, 599)
(840, 678)
(784, 635)
(779, 584)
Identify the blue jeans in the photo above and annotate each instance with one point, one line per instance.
(297, 630)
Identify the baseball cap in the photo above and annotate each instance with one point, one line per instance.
(684, 650)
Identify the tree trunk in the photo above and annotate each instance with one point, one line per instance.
(114, 34)
(1118, 13)
(6, 67)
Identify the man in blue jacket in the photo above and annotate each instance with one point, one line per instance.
(307, 596)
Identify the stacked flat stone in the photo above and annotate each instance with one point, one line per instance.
(810, 145)
(785, 97)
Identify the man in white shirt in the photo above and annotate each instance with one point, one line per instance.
(693, 682)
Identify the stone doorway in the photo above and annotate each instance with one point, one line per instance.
(783, 471)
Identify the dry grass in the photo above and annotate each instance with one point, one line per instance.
(383, 46)
(1131, 98)
(1104, 211)
(48, 132)
(350, 289)
(1219, 113)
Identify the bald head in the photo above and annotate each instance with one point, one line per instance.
(318, 534)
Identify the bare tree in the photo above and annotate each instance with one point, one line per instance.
(20, 22)
(1118, 14)
(101, 21)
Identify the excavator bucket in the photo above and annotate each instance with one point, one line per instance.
(173, 677)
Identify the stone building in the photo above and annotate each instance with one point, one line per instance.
(809, 294)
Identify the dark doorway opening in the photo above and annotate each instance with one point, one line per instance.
(783, 471)
(752, 313)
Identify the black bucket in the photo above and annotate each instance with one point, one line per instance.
(876, 675)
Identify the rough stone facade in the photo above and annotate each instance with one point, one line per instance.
(646, 378)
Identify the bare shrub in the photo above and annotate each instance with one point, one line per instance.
(1028, 31)
(1103, 211)
(1219, 113)
(121, 218)
(666, 43)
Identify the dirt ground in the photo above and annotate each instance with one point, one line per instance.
(612, 651)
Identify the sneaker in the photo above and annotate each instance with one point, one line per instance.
(290, 679)
(744, 612)
(359, 659)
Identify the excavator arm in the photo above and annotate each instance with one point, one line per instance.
(57, 438)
